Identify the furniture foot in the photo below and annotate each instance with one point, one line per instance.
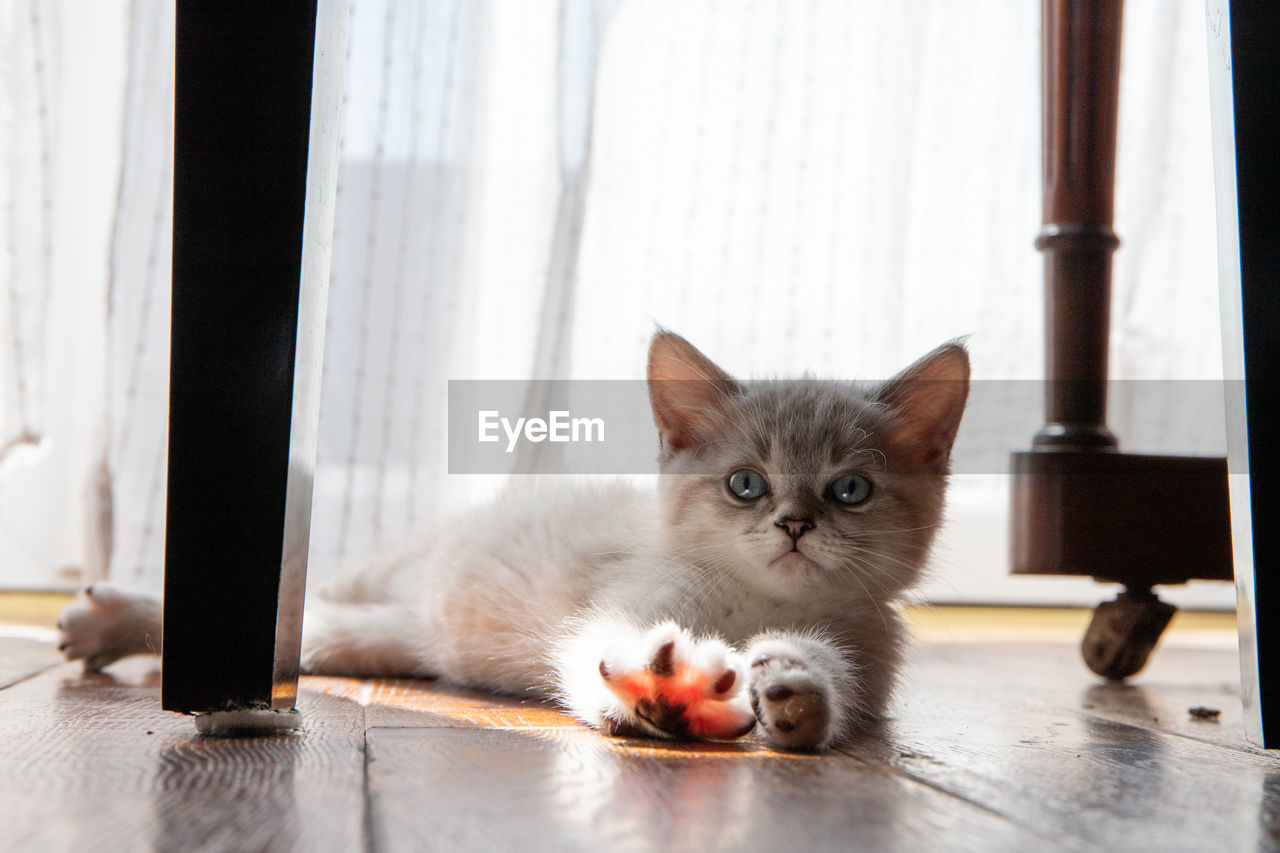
(1123, 633)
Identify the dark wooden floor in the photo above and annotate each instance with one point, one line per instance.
(995, 745)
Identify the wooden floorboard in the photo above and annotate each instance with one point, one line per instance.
(569, 789)
(23, 657)
(1160, 698)
(409, 702)
(1004, 744)
(92, 763)
(1102, 784)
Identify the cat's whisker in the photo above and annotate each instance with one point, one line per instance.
(884, 621)
(911, 567)
(866, 573)
(867, 534)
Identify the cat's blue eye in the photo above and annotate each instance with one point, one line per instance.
(851, 489)
(748, 484)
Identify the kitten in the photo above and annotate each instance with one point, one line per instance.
(755, 588)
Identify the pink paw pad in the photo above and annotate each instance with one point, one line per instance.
(680, 686)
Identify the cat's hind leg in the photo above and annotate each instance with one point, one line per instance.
(360, 639)
(661, 681)
(106, 623)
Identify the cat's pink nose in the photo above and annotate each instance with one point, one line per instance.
(795, 527)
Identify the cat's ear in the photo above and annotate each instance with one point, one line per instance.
(928, 399)
(686, 390)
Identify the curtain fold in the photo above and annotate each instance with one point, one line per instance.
(127, 484)
(63, 69)
(581, 26)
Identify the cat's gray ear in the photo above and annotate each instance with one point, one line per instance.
(686, 390)
(928, 399)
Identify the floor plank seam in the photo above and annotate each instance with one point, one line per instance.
(942, 789)
(945, 791)
(1239, 749)
(30, 675)
(472, 727)
(1059, 841)
(367, 820)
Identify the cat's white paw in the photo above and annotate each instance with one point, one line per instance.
(795, 707)
(680, 687)
(106, 623)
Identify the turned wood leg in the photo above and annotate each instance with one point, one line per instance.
(1080, 506)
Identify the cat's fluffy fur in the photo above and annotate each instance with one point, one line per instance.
(690, 612)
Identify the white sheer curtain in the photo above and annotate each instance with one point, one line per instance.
(84, 119)
(527, 187)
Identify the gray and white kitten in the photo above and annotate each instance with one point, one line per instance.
(755, 588)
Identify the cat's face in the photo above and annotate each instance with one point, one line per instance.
(803, 489)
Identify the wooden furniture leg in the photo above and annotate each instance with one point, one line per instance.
(1244, 77)
(1080, 506)
(257, 102)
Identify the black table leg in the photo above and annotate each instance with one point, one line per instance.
(257, 102)
(1244, 69)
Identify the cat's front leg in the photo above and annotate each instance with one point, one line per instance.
(106, 623)
(805, 690)
(660, 681)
